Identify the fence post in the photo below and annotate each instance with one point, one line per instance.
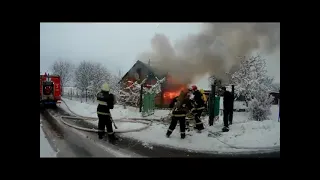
(86, 94)
(140, 105)
(211, 104)
(231, 114)
(279, 111)
(153, 102)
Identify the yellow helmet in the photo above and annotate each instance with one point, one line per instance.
(105, 87)
(204, 97)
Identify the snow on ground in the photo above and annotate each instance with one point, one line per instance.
(45, 148)
(245, 134)
(90, 110)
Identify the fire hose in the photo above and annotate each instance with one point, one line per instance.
(147, 122)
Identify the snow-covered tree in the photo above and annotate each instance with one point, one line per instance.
(115, 86)
(214, 80)
(276, 87)
(251, 77)
(259, 106)
(84, 75)
(251, 81)
(100, 75)
(64, 69)
(89, 77)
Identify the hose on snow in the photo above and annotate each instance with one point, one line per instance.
(147, 122)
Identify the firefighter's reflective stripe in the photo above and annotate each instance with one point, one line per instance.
(102, 103)
(170, 130)
(199, 123)
(200, 108)
(179, 115)
(110, 133)
(182, 132)
(103, 113)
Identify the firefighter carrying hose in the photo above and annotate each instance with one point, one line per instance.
(106, 101)
(199, 106)
(179, 113)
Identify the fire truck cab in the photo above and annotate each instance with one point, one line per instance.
(50, 90)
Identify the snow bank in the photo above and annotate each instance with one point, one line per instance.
(246, 135)
(45, 148)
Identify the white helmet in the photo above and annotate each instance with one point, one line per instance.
(105, 87)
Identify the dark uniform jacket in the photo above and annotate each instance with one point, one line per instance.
(199, 102)
(106, 101)
(174, 100)
(182, 107)
(228, 101)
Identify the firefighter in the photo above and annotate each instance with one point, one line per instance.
(179, 113)
(204, 97)
(227, 108)
(173, 102)
(190, 103)
(106, 102)
(199, 106)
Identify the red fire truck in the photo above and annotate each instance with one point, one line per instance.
(50, 90)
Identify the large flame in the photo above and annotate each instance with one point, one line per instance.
(174, 87)
(170, 94)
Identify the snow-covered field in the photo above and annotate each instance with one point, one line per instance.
(244, 135)
(45, 148)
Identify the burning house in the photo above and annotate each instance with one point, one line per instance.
(169, 89)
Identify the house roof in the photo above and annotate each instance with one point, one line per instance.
(153, 70)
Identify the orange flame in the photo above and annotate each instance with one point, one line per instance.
(173, 94)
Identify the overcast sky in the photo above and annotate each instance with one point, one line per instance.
(116, 45)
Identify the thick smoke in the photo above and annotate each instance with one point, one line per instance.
(214, 50)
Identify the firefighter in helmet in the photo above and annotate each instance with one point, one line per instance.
(106, 102)
(199, 106)
(173, 102)
(179, 113)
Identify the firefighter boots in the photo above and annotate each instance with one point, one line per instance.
(112, 138)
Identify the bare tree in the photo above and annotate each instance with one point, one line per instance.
(89, 77)
(100, 75)
(84, 75)
(64, 69)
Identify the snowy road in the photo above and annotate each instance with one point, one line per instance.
(46, 149)
(73, 143)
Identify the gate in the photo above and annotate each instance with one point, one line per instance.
(148, 104)
(214, 107)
